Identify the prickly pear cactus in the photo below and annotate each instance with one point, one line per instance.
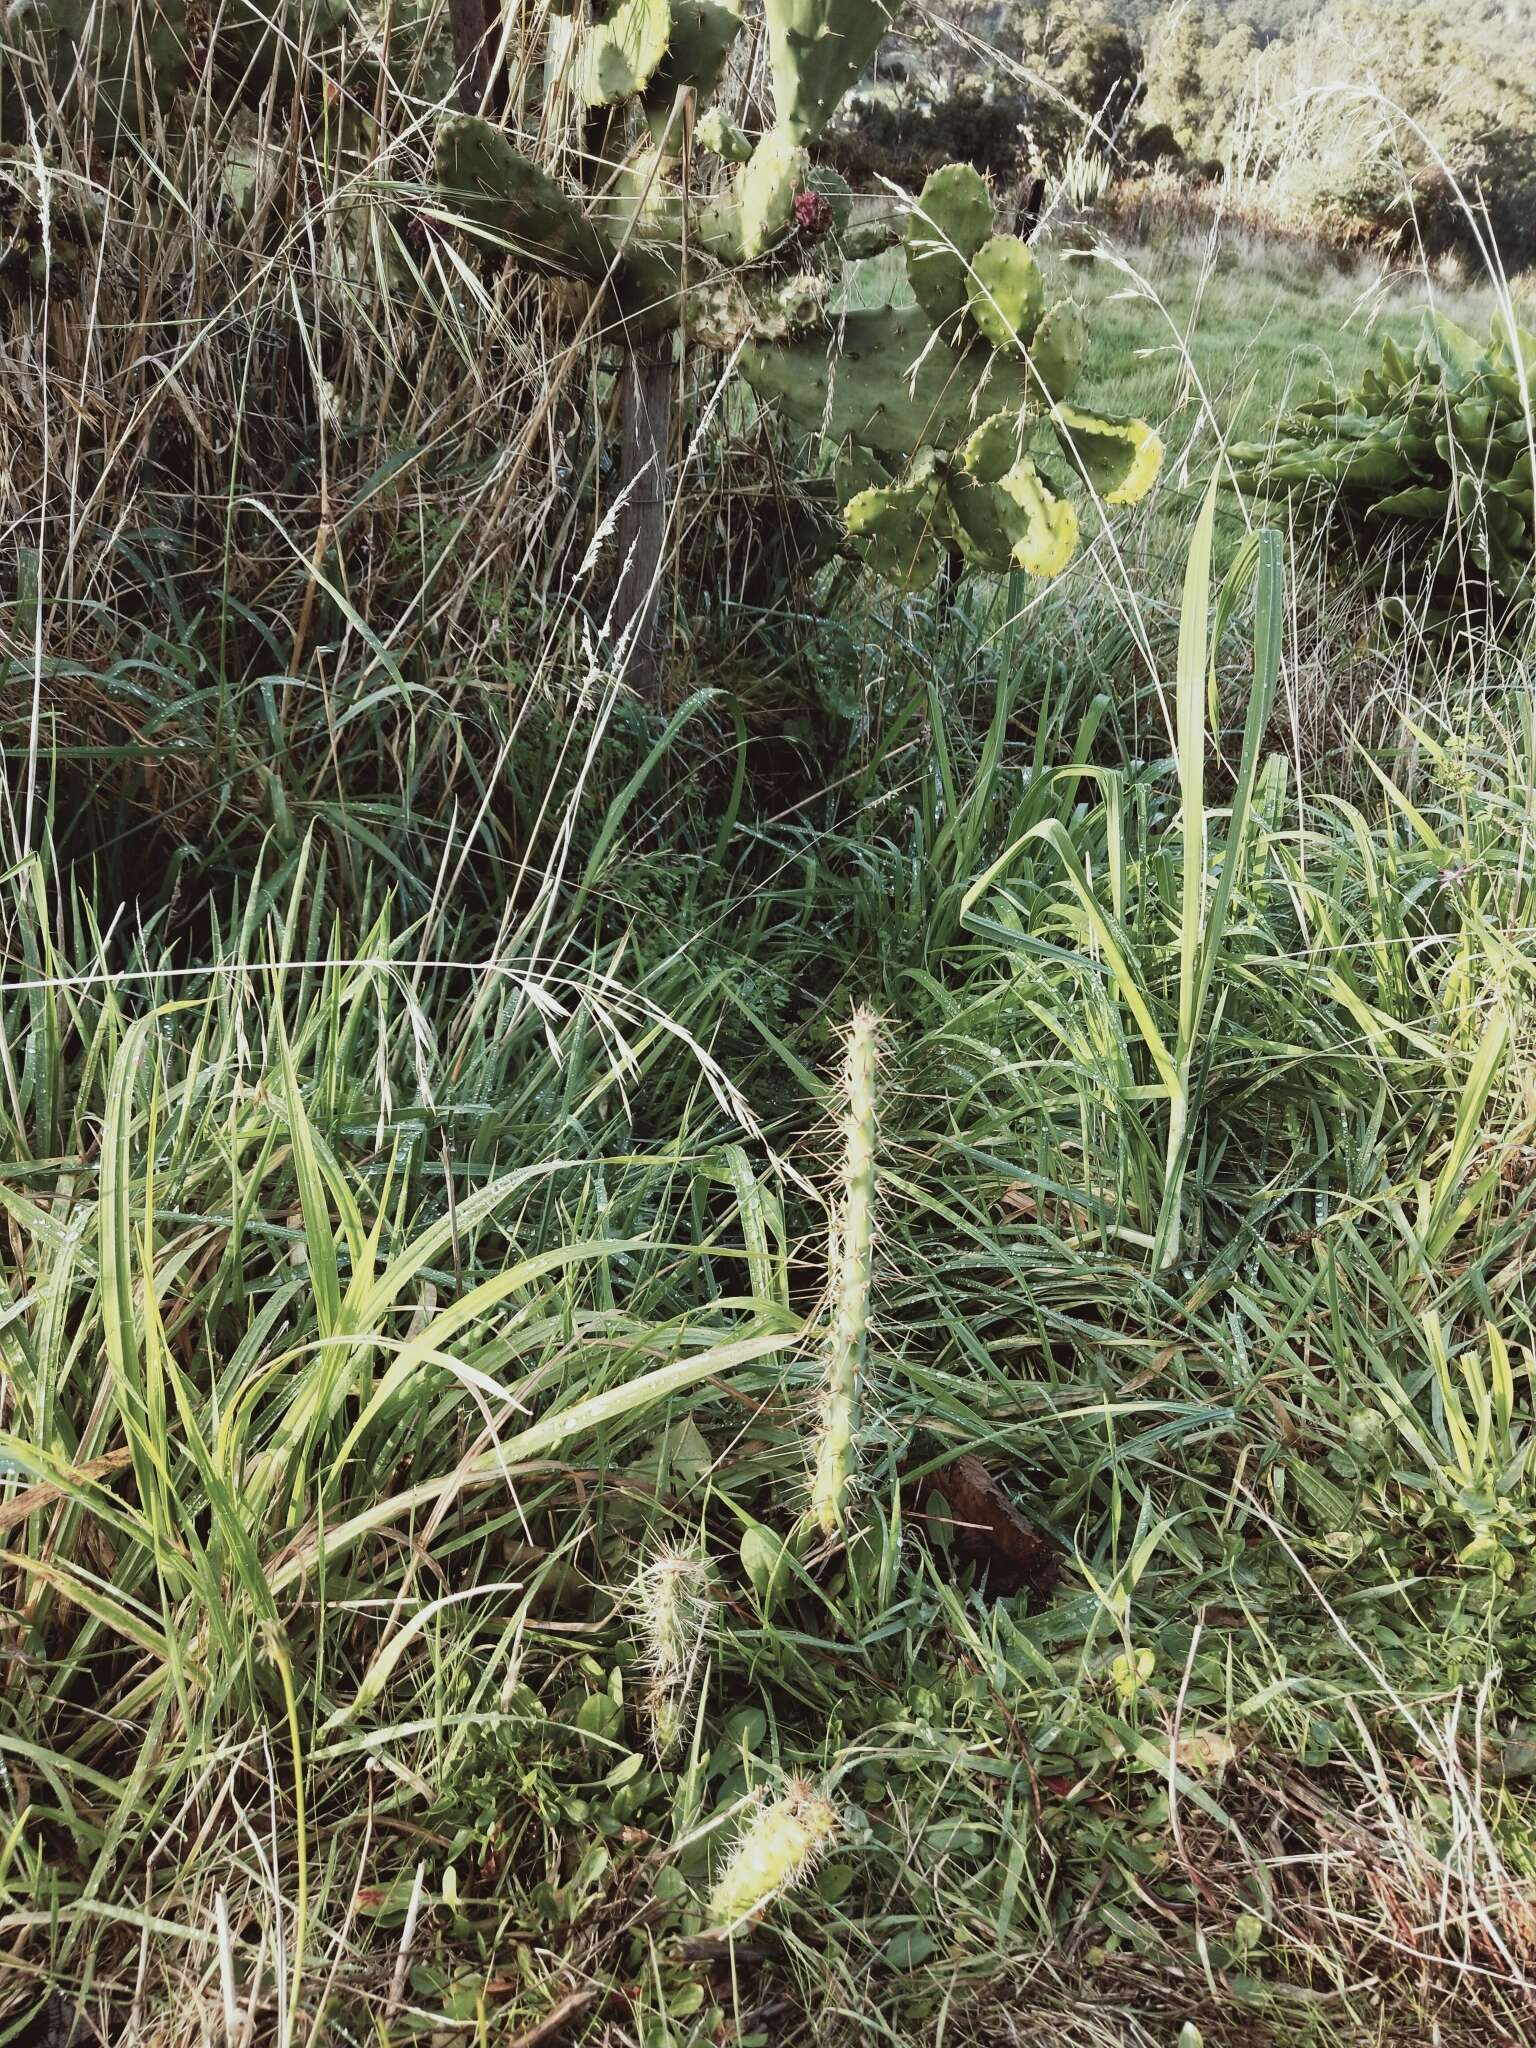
(948, 395)
(939, 401)
(651, 234)
(139, 59)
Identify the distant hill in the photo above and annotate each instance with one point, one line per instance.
(1288, 18)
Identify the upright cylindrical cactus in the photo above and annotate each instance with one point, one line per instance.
(852, 1270)
(672, 1598)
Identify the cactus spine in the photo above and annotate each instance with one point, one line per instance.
(853, 1251)
(774, 1851)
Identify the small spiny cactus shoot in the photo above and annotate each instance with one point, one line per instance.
(776, 1849)
(853, 1242)
(672, 1601)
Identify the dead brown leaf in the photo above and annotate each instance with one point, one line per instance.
(965, 1502)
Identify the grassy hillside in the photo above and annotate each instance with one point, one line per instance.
(415, 1337)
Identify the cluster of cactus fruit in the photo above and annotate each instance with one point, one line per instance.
(1425, 472)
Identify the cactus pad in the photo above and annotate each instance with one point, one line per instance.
(832, 186)
(951, 220)
(1119, 456)
(722, 137)
(986, 522)
(1049, 540)
(1003, 512)
(765, 189)
(702, 33)
(892, 385)
(1005, 292)
(260, 42)
(893, 529)
(1058, 347)
(138, 59)
(495, 187)
(620, 56)
(856, 470)
(817, 48)
(993, 449)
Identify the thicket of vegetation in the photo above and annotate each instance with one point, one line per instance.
(1409, 126)
(798, 1319)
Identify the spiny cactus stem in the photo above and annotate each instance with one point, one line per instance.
(853, 1262)
(776, 1849)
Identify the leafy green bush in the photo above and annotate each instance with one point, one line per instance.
(1424, 471)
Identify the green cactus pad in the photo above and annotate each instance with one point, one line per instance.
(722, 137)
(642, 203)
(138, 61)
(765, 189)
(260, 43)
(951, 220)
(857, 470)
(1003, 512)
(816, 49)
(986, 522)
(1005, 292)
(891, 385)
(893, 529)
(1119, 456)
(993, 449)
(701, 36)
(620, 56)
(1049, 539)
(837, 192)
(928, 466)
(410, 42)
(488, 184)
(1058, 347)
